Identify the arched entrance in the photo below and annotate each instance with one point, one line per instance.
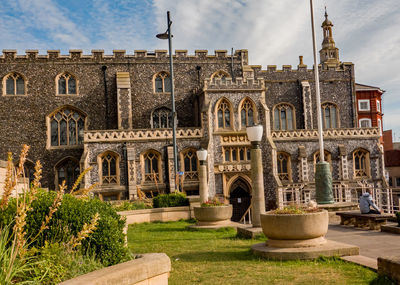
(240, 198)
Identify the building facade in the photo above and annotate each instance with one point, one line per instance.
(112, 113)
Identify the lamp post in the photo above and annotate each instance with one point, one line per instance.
(323, 175)
(164, 36)
(254, 134)
(202, 156)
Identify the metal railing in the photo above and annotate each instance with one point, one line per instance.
(247, 214)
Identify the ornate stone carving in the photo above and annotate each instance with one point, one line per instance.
(232, 168)
(239, 139)
(333, 133)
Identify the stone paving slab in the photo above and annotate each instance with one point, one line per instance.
(373, 244)
(362, 260)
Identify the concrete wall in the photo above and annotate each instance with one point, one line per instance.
(157, 214)
(149, 269)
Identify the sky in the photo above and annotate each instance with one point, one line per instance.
(275, 32)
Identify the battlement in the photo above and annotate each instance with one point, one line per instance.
(302, 68)
(238, 83)
(98, 54)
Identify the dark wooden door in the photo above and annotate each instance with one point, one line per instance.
(240, 200)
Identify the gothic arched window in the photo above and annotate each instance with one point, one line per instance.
(152, 167)
(224, 114)
(161, 118)
(189, 164)
(68, 170)
(109, 168)
(66, 127)
(329, 116)
(327, 158)
(14, 84)
(221, 75)
(361, 163)
(284, 117)
(247, 113)
(67, 84)
(284, 166)
(162, 82)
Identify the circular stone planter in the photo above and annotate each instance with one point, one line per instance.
(213, 216)
(295, 230)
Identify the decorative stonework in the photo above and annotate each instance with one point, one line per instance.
(334, 133)
(307, 105)
(140, 135)
(232, 168)
(239, 139)
(124, 100)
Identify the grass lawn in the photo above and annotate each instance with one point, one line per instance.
(218, 257)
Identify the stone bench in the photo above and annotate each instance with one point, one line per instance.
(370, 221)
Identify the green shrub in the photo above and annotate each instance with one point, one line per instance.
(55, 264)
(106, 242)
(398, 218)
(170, 200)
(130, 205)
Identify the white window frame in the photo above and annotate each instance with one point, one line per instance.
(363, 120)
(364, 101)
(380, 126)
(378, 105)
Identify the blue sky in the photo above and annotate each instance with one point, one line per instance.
(274, 32)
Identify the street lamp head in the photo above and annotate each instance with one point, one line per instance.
(163, 36)
(201, 154)
(254, 133)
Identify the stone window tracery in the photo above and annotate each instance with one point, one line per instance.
(152, 167)
(66, 127)
(221, 75)
(224, 114)
(161, 118)
(284, 117)
(361, 163)
(189, 164)
(162, 82)
(14, 84)
(329, 116)
(68, 170)
(284, 166)
(67, 84)
(236, 154)
(109, 168)
(247, 113)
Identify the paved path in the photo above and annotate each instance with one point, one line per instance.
(373, 244)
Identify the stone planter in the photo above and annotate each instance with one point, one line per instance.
(213, 216)
(295, 230)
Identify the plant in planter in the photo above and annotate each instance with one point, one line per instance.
(213, 213)
(295, 227)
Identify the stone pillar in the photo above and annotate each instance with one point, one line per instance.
(303, 165)
(171, 170)
(307, 105)
(203, 183)
(344, 171)
(124, 100)
(131, 173)
(257, 177)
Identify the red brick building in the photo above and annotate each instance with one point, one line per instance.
(369, 106)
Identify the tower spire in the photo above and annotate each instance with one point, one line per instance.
(329, 54)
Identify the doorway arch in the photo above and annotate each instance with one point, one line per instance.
(240, 197)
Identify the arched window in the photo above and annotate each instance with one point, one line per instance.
(329, 116)
(162, 82)
(189, 164)
(66, 127)
(327, 158)
(68, 170)
(284, 166)
(161, 118)
(247, 113)
(284, 117)
(109, 168)
(221, 75)
(67, 84)
(14, 84)
(151, 167)
(224, 114)
(361, 163)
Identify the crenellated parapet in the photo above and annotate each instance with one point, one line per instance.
(98, 55)
(229, 84)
